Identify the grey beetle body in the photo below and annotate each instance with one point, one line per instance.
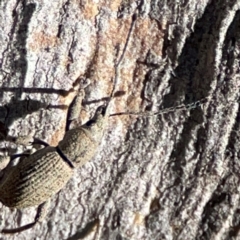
(41, 175)
(36, 178)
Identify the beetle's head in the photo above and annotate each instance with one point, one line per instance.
(98, 123)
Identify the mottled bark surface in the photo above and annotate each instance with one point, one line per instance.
(171, 176)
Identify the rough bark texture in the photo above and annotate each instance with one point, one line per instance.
(171, 176)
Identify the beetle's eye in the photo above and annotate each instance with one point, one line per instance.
(90, 122)
(101, 110)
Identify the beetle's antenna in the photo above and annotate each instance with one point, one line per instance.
(119, 61)
(181, 107)
(115, 81)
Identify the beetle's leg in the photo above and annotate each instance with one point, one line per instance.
(4, 159)
(41, 214)
(6, 164)
(74, 110)
(75, 107)
(42, 211)
(39, 141)
(21, 140)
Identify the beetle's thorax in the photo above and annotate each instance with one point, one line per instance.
(79, 145)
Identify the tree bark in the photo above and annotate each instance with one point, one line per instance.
(174, 175)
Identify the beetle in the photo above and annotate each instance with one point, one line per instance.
(39, 176)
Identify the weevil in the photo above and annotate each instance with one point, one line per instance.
(41, 175)
(37, 177)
